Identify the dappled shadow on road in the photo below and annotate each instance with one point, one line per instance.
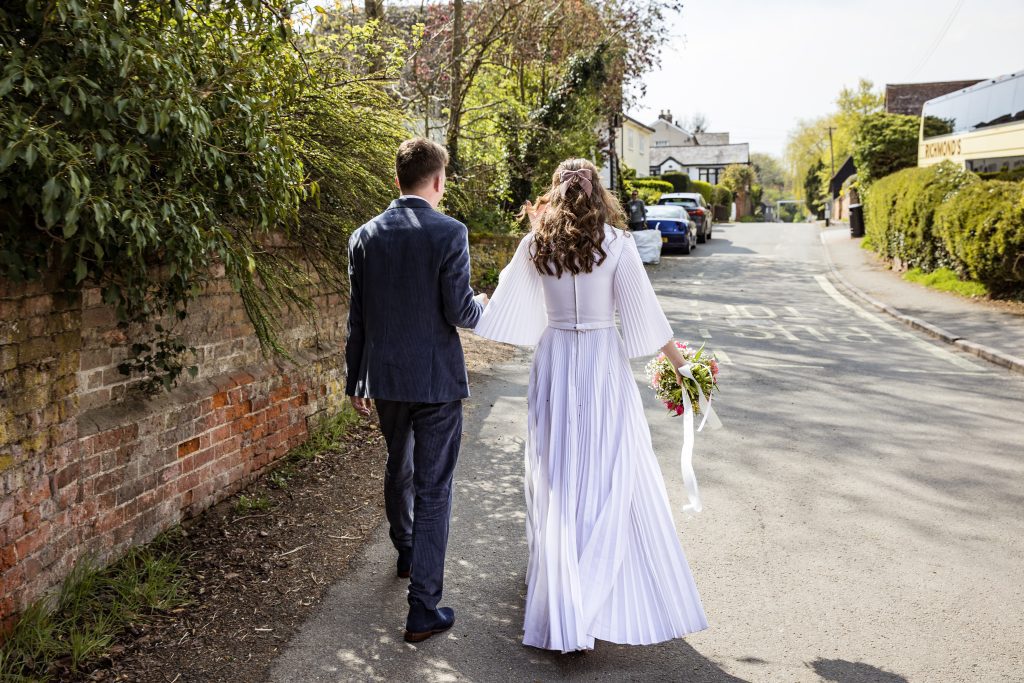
(841, 671)
(887, 403)
(717, 245)
(358, 636)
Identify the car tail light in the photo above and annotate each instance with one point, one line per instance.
(699, 212)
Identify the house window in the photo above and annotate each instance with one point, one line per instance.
(629, 140)
(661, 143)
(709, 175)
(642, 144)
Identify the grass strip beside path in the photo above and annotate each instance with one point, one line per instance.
(946, 280)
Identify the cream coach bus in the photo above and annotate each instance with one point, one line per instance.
(980, 127)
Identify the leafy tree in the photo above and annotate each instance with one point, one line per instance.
(770, 172)
(145, 144)
(533, 153)
(884, 143)
(740, 179)
(811, 141)
(814, 188)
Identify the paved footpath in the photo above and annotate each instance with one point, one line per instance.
(862, 506)
(999, 327)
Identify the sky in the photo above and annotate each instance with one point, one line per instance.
(756, 67)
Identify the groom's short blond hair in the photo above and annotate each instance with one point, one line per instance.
(418, 160)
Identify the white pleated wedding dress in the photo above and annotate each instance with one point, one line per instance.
(605, 561)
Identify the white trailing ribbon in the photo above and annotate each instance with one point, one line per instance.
(686, 457)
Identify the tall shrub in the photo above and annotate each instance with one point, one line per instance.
(722, 196)
(982, 227)
(680, 181)
(883, 144)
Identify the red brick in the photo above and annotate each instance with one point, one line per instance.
(280, 394)
(8, 557)
(203, 458)
(33, 541)
(242, 378)
(188, 482)
(39, 492)
(189, 447)
(66, 475)
(222, 433)
(90, 466)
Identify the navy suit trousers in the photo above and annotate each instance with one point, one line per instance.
(423, 447)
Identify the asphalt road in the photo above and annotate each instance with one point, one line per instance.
(863, 506)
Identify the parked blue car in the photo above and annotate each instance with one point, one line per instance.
(678, 230)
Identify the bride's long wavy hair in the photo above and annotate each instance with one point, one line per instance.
(570, 233)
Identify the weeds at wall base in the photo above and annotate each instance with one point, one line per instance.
(72, 630)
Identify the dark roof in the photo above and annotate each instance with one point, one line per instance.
(908, 98)
(845, 171)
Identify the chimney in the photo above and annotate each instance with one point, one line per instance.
(666, 115)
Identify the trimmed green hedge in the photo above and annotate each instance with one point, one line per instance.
(649, 189)
(680, 181)
(899, 210)
(707, 190)
(982, 227)
(652, 184)
(946, 217)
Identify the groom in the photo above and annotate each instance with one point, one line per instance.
(409, 275)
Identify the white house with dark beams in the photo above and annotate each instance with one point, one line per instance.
(702, 156)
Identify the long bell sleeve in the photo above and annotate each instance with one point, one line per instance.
(645, 328)
(516, 314)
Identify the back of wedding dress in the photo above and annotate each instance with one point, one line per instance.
(605, 560)
(526, 302)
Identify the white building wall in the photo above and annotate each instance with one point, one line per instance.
(634, 148)
(669, 135)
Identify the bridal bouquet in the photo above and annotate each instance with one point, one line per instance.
(700, 380)
(667, 389)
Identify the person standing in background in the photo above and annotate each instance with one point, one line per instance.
(637, 211)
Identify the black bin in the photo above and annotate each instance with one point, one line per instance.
(856, 220)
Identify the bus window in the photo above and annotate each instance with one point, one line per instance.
(939, 119)
(976, 109)
(1018, 99)
(999, 104)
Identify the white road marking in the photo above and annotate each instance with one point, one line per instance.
(704, 333)
(723, 357)
(938, 352)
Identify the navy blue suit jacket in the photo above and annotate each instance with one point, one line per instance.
(409, 275)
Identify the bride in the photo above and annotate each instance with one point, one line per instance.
(605, 561)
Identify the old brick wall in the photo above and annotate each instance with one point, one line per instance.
(88, 466)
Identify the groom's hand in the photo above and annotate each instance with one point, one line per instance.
(362, 405)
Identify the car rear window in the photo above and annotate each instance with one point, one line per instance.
(684, 201)
(665, 211)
